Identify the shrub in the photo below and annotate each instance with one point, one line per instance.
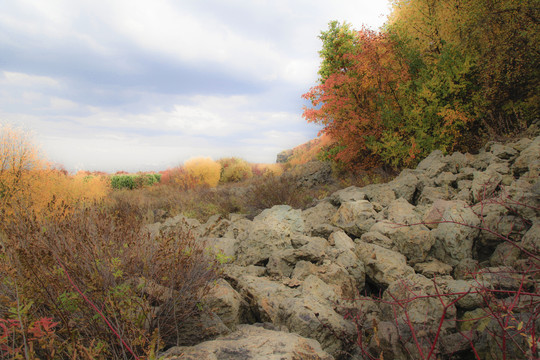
(267, 169)
(96, 284)
(134, 181)
(205, 170)
(234, 170)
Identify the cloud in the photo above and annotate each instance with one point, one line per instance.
(114, 84)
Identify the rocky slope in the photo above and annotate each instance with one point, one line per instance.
(383, 270)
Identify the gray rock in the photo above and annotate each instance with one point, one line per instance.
(317, 219)
(251, 342)
(504, 152)
(355, 217)
(431, 194)
(270, 231)
(227, 303)
(484, 185)
(375, 237)
(420, 309)
(341, 241)
(454, 240)
(433, 165)
(527, 159)
(352, 193)
(383, 266)
(433, 269)
(404, 186)
(531, 240)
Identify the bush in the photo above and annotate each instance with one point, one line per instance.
(134, 181)
(204, 170)
(234, 170)
(267, 169)
(96, 284)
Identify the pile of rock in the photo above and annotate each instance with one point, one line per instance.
(367, 269)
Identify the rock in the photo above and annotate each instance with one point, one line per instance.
(251, 342)
(282, 263)
(223, 248)
(216, 227)
(504, 152)
(499, 224)
(379, 193)
(422, 307)
(404, 186)
(270, 231)
(284, 156)
(454, 241)
(308, 316)
(341, 241)
(201, 326)
(484, 185)
(446, 179)
(528, 158)
(227, 303)
(283, 215)
(352, 193)
(355, 217)
(383, 266)
(466, 269)
(317, 219)
(505, 254)
(433, 268)
(433, 165)
(531, 240)
(401, 212)
(313, 173)
(375, 237)
(431, 194)
(470, 301)
(435, 213)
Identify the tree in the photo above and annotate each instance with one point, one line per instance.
(358, 93)
(18, 159)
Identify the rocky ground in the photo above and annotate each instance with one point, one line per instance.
(383, 271)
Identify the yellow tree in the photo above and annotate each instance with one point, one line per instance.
(19, 158)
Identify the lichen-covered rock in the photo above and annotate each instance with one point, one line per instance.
(317, 219)
(454, 240)
(352, 193)
(383, 266)
(251, 342)
(228, 305)
(355, 217)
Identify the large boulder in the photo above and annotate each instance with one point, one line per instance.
(227, 303)
(355, 217)
(252, 342)
(485, 184)
(352, 193)
(306, 311)
(405, 185)
(454, 239)
(383, 266)
(528, 159)
(317, 219)
(270, 232)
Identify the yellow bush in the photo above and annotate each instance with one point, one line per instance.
(204, 169)
(27, 181)
(235, 169)
(268, 169)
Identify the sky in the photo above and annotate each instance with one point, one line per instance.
(143, 85)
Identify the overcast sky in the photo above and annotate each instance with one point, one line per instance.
(146, 84)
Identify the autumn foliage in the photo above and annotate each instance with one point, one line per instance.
(440, 75)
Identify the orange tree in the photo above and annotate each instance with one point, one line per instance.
(357, 97)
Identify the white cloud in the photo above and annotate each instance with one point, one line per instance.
(64, 51)
(18, 79)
